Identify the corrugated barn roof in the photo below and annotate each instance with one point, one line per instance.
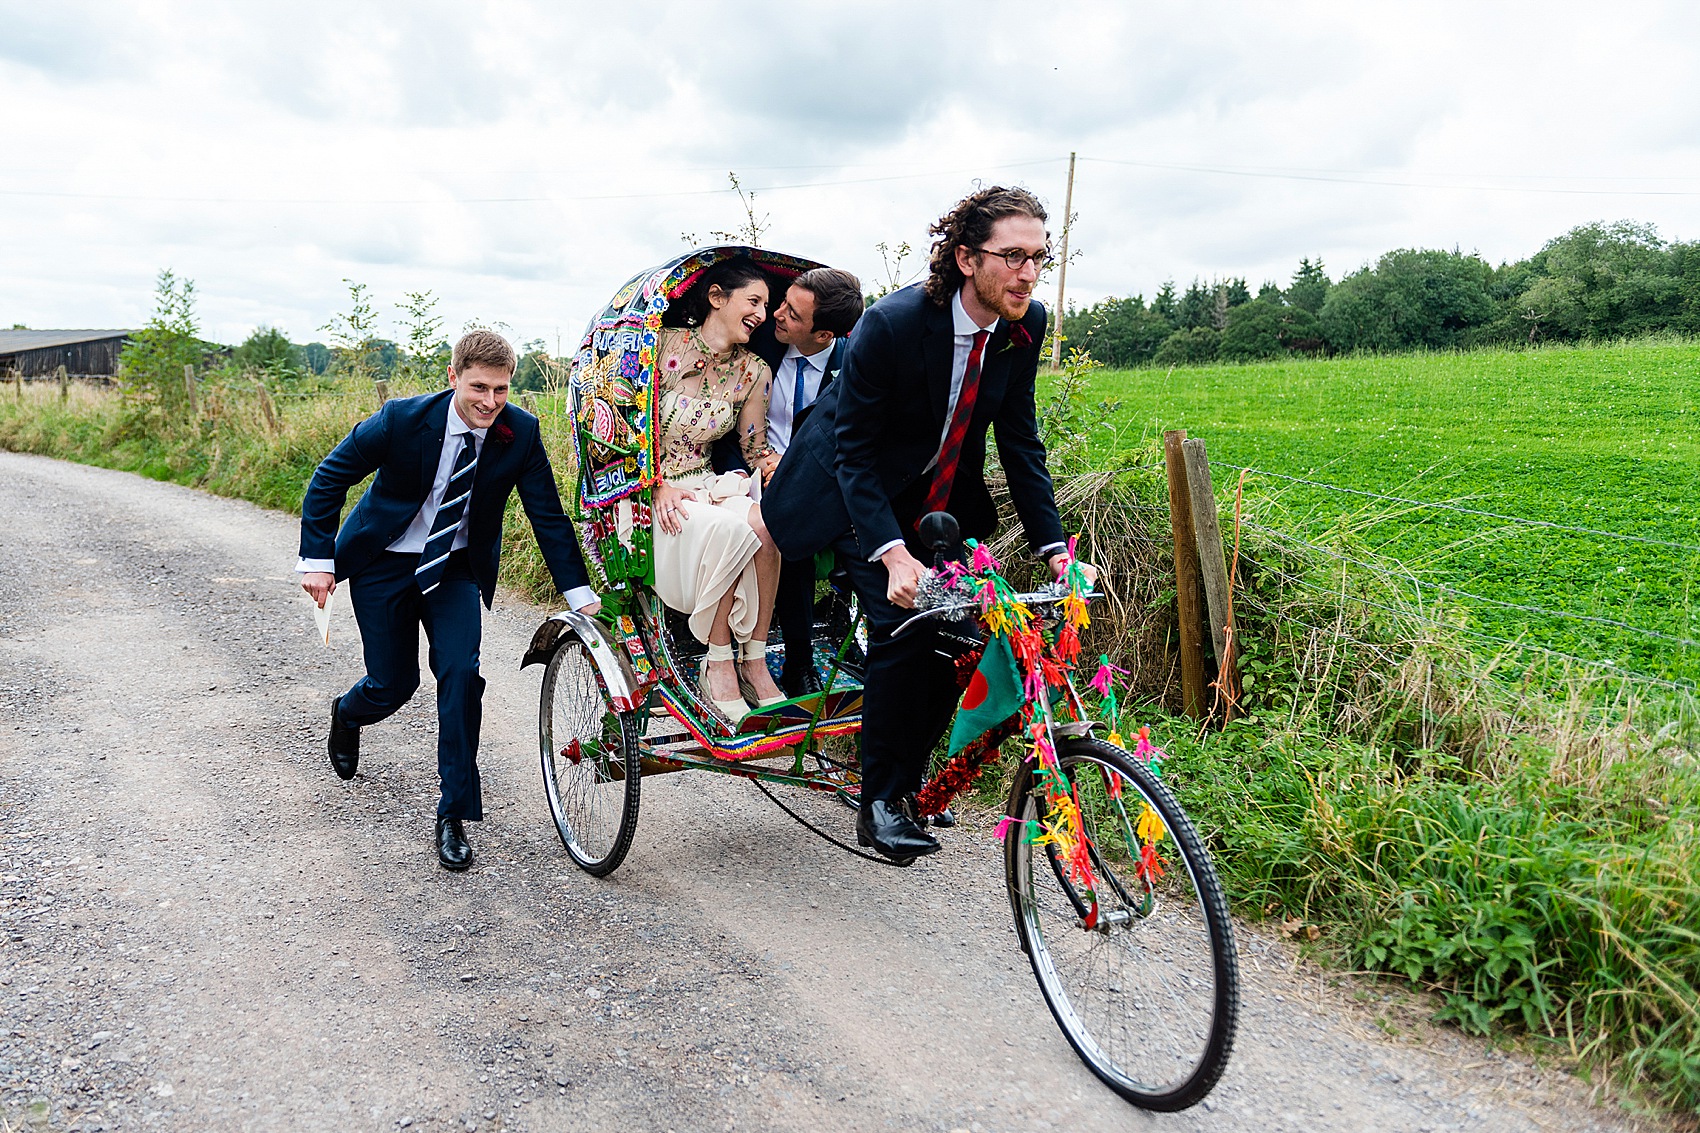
(16, 341)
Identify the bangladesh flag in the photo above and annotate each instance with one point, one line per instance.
(993, 696)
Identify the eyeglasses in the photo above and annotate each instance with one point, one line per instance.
(1017, 259)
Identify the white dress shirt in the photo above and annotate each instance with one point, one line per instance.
(418, 532)
(965, 328)
(781, 414)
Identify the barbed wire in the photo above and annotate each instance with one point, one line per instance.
(1621, 671)
(1542, 523)
(1418, 584)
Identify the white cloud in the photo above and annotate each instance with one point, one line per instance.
(270, 150)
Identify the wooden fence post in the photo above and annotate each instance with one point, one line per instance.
(383, 390)
(1213, 567)
(268, 408)
(189, 389)
(64, 383)
(1191, 623)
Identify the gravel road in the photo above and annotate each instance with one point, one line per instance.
(204, 929)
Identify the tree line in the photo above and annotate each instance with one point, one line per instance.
(1597, 281)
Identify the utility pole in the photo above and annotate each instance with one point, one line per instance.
(1062, 268)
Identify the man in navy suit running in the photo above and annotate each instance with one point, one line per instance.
(421, 549)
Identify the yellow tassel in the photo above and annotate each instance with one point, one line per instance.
(1150, 828)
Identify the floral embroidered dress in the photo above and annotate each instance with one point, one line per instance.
(702, 396)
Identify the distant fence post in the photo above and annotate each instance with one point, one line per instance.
(383, 387)
(1191, 622)
(64, 383)
(1213, 567)
(17, 383)
(268, 408)
(190, 391)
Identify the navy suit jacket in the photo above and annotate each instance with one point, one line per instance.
(726, 455)
(403, 443)
(859, 461)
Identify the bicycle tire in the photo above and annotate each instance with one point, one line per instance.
(592, 777)
(1171, 940)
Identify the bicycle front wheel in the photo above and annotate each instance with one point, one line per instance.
(1126, 927)
(591, 773)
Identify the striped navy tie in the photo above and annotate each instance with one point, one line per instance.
(436, 553)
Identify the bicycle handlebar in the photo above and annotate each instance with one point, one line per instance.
(935, 599)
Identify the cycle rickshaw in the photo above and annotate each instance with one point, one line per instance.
(1115, 900)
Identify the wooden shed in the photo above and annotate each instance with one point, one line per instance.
(40, 353)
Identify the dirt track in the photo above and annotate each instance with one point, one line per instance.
(203, 929)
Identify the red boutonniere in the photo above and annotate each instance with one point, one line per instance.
(501, 434)
(1019, 339)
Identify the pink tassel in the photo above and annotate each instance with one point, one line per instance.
(981, 561)
(1102, 680)
(1003, 826)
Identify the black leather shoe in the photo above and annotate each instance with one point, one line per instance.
(453, 850)
(344, 745)
(944, 820)
(806, 683)
(885, 827)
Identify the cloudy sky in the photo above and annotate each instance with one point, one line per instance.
(519, 160)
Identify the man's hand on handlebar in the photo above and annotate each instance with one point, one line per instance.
(905, 572)
(318, 586)
(1059, 562)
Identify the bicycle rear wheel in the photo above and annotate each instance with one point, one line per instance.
(591, 773)
(1139, 968)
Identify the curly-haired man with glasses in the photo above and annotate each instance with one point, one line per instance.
(903, 433)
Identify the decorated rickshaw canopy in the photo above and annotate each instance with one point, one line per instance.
(612, 382)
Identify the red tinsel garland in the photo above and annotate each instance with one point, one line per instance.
(959, 774)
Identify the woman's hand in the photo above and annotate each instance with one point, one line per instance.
(765, 464)
(665, 507)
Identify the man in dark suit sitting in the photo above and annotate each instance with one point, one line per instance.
(903, 433)
(421, 548)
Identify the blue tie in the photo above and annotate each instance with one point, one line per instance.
(435, 556)
(797, 395)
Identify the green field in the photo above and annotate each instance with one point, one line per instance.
(1605, 438)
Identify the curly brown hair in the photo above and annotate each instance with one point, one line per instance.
(969, 225)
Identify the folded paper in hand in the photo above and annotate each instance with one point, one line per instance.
(322, 619)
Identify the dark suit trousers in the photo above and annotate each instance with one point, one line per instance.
(794, 614)
(390, 610)
(909, 689)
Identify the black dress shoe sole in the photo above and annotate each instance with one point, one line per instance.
(944, 820)
(454, 867)
(864, 840)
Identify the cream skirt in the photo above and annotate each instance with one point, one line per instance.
(714, 550)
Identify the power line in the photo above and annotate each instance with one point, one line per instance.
(1231, 171)
(1465, 510)
(551, 199)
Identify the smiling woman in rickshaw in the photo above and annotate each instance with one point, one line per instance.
(714, 559)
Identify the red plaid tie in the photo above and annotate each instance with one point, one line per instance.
(945, 475)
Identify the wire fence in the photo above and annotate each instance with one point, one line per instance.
(1424, 592)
